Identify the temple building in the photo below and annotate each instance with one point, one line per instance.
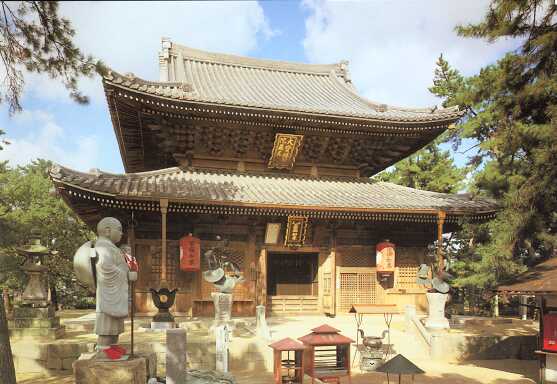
(275, 157)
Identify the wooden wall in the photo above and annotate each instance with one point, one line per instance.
(346, 257)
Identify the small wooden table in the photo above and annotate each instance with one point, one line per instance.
(387, 310)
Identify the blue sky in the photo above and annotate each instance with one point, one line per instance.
(391, 45)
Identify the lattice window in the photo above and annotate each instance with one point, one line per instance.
(175, 278)
(406, 276)
(348, 290)
(358, 288)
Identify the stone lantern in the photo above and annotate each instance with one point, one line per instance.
(36, 291)
(34, 315)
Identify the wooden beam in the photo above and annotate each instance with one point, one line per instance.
(441, 215)
(164, 211)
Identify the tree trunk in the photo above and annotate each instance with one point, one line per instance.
(7, 370)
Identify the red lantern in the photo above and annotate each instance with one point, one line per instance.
(190, 249)
(385, 256)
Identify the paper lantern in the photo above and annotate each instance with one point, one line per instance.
(190, 249)
(385, 257)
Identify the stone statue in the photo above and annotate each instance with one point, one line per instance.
(102, 266)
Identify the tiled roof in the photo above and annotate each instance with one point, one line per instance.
(244, 189)
(325, 335)
(200, 76)
(540, 279)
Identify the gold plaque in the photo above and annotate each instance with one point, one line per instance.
(285, 150)
(296, 231)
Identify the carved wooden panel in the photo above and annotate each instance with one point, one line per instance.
(357, 256)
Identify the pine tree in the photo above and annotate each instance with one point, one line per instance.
(511, 112)
(34, 38)
(430, 169)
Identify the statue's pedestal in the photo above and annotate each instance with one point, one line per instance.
(223, 308)
(36, 323)
(91, 371)
(436, 319)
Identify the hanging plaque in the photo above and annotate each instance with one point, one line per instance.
(385, 256)
(296, 231)
(285, 150)
(190, 249)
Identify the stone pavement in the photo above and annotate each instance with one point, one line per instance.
(247, 351)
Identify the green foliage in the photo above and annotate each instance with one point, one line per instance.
(34, 38)
(26, 203)
(429, 169)
(511, 111)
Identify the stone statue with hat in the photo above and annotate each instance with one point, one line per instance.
(103, 267)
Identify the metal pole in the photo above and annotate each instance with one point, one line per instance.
(132, 314)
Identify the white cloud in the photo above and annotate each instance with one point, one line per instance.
(393, 46)
(127, 35)
(48, 140)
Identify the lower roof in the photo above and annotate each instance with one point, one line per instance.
(540, 279)
(267, 191)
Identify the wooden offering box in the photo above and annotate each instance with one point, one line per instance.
(327, 354)
(288, 361)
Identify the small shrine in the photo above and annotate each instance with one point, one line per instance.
(288, 361)
(327, 354)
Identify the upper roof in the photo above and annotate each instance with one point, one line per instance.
(270, 190)
(189, 74)
(540, 279)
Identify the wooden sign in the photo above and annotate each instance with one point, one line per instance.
(285, 150)
(296, 231)
(385, 257)
(190, 250)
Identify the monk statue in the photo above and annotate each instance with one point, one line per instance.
(103, 267)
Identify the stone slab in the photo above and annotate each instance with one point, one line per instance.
(30, 350)
(54, 363)
(42, 333)
(90, 371)
(53, 322)
(175, 354)
(33, 313)
(25, 365)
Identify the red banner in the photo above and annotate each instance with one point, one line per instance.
(190, 249)
(385, 257)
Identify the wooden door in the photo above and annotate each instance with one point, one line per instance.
(329, 284)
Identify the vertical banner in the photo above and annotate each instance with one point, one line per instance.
(190, 250)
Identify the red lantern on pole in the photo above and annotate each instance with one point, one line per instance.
(190, 249)
(385, 256)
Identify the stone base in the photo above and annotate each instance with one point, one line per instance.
(35, 313)
(437, 323)
(90, 371)
(29, 322)
(162, 325)
(44, 334)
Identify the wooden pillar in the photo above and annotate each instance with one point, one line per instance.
(262, 283)
(250, 264)
(440, 221)
(164, 211)
(334, 271)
